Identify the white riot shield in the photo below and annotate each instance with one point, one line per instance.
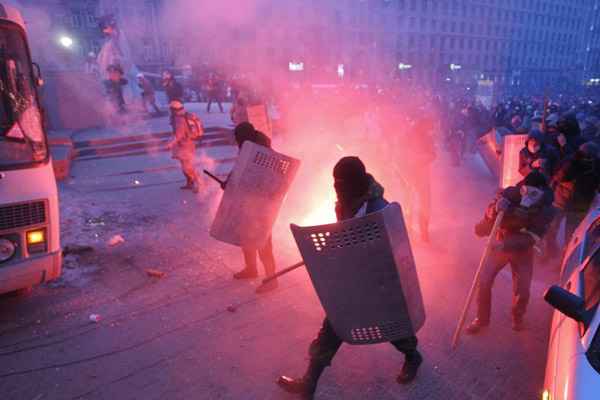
(513, 144)
(364, 273)
(253, 196)
(490, 152)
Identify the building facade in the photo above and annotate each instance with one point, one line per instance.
(521, 45)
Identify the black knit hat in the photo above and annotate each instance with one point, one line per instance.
(244, 131)
(351, 178)
(535, 179)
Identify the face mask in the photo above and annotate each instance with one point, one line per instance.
(530, 196)
(534, 148)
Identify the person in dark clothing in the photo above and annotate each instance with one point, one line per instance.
(528, 211)
(148, 95)
(114, 87)
(576, 184)
(246, 132)
(173, 89)
(536, 156)
(215, 91)
(358, 194)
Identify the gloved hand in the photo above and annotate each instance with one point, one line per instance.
(502, 204)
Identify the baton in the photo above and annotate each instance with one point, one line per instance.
(282, 272)
(214, 177)
(484, 257)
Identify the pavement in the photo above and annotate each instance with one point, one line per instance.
(195, 333)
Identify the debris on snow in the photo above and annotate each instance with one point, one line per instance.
(116, 240)
(76, 249)
(154, 273)
(232, 309)
(95, 318)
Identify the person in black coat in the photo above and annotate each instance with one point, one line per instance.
(537, 156)
(528, 212)
(358, 194)
(173, 89)
(114, 87)
(576, 184)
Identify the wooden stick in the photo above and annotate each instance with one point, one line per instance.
(484, 258)
(283, 272)
(214, 177)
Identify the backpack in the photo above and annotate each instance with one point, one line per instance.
(194, 124)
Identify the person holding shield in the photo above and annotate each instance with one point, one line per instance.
(358, 194)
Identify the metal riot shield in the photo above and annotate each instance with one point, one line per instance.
(490, 151)
(513, 144)
(364, 273)
(253, 196)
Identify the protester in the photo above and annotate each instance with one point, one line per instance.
(173, 89)
(186, 129)
(148, 95)
(358, 194)
(527, 211)
(246, 132)
(114, 87)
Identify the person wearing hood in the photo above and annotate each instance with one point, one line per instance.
(246, 132)
(527, 213)
(114, 87)
(536, 156)
(358, 194)
(183, 147)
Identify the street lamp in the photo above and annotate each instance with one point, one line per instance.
(66, 41)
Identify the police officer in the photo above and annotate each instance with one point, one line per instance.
(358, 194)
(246, 132)
(182, 146)
(528, 212)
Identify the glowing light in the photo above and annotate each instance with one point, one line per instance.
(546, 395)
(36, 237)
(340, 70)
(455, 67)
(136, 182)
(404, 67)
(296, 66)
(66, 41)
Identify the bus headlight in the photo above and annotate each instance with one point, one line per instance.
(7, 250)
(546, 395)
(36, 241)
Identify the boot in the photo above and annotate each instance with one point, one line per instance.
(262, 289)
(246, 273)
(189, 185)
(517, 324)
(410, 368)
(476, 326)
(305, 386)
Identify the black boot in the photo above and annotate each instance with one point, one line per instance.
(305, 386)
(411, 366)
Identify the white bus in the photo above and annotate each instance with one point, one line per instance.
(30, 251)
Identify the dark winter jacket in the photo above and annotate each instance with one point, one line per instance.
(527, 158)
(374, 199)
(146, 87)
(114, 90)
(173, 90)
(576, 184)
(518, 221)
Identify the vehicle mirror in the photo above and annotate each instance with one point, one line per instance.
(37, 72)
(567, 303)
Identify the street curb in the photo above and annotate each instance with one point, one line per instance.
(140, 138)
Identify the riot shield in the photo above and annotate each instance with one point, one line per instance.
(513, 144)
(253, 196)
(364, 273)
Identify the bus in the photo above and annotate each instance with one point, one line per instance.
(30, 252)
